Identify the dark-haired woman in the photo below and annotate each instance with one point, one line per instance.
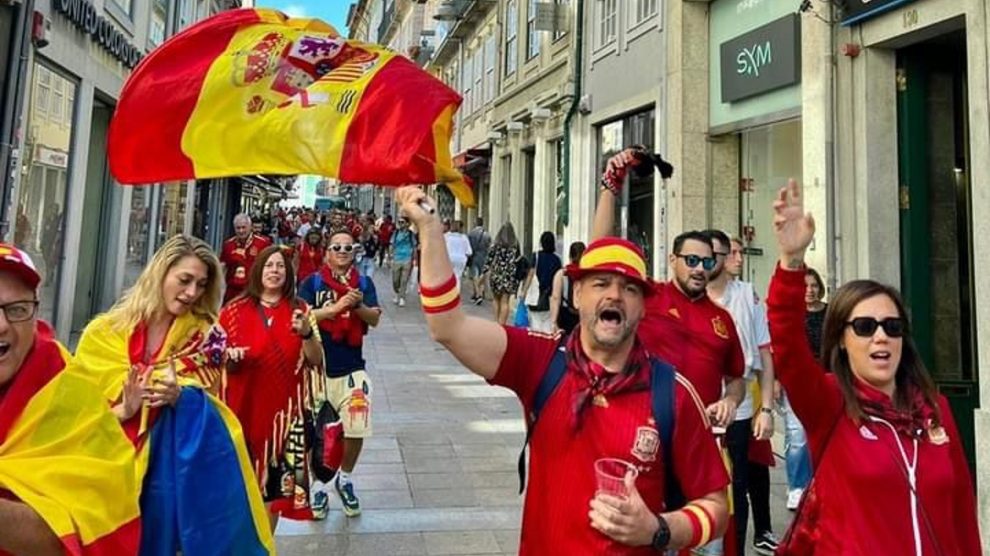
(272, 346)
(891, 477)
(542, 268)
(563, 313)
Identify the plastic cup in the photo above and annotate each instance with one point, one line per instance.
(610, 476)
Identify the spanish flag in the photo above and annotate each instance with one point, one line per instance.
(63, 454)
(251, 91)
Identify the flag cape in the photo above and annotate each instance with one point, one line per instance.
(251, 91)
(198, 491)
(63, 453)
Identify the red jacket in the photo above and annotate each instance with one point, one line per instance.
(860, 502)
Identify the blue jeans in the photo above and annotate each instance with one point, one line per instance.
(366, 267)
(797, 455)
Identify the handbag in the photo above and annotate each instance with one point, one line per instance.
(521, 318)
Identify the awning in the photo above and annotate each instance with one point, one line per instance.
(475, 160)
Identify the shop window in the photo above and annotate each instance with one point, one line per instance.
(41, 196)
(138, 232)
(171, 210)
(511, 36)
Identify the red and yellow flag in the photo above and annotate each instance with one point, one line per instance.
(251, 91)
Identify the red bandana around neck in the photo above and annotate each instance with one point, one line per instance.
(347, 326)
(912, 423)
(595, 380)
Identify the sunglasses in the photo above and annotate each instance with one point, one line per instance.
(338, 247)
(693, 261)
(864, 327)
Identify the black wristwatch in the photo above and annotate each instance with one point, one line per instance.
(308, 336)
(662, 537)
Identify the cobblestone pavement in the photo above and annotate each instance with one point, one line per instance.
(439, 475)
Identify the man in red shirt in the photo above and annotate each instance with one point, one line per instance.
(238, 254)
(600, 409)
(385, 231)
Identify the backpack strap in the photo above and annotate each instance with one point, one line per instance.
(662, 383)
(548, 384)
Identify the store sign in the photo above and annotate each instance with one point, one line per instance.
(51, 157)
(88, 19)
(764, 59)
(854, 11)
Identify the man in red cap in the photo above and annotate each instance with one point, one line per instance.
(600, 408)
(58, 438)
(238, 254)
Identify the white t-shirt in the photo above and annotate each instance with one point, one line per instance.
(750, 317)
(458, 247)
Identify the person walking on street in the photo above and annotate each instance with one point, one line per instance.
(158, 355)
(345, 305)
(67, 474)
(365, 255)
(385, 232)
(273, 359)
(238, 253)
(481, 242)
(752, 428)
(459, 249)
(543, 265)
(563, 313)
(500, 267)
(602, 409)
(403, 251)
(310, 254)
(890, 476)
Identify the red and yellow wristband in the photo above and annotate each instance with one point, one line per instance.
(442, 298)
(702, 524)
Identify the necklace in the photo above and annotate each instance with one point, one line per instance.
(268, 303)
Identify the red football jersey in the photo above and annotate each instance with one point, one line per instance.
(561, 478)
(238, 257)
(697, 336)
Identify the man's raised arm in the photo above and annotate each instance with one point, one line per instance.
(477, 343)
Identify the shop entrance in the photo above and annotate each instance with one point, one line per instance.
(936, 216)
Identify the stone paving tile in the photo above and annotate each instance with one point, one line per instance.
(508, 541)
(444, 497)
(392, 544)
(366, 481)
(462, 542)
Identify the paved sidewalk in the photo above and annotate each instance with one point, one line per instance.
(439, 475)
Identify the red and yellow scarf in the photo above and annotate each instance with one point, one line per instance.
(347, 327)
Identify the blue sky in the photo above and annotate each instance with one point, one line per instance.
(333, 12)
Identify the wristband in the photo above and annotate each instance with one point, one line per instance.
(308, 336)
(702, 524)
(766, 410)
(442, 298)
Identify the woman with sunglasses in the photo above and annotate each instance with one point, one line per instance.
(890, 474)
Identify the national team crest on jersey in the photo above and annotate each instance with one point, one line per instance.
(647, 444)
(720, 329)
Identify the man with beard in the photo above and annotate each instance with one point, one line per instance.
(238, 253)
(601, 408)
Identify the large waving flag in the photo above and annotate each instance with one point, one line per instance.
(251, 91)
(63, 453)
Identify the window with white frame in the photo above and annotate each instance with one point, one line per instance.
(532, 35)
(479, 73)
(641, 10)
(511, 36)
(562, 5)
(124, 5)
(58, 99)
(490, 56)
(466, 83)
(606, 11)
(43, 89)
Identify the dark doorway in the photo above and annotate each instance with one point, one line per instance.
(936, 217)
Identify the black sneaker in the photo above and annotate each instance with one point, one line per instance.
(765, 543)
(351, 504)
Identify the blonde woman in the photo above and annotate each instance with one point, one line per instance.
(157, 357)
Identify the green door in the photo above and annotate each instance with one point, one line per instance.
(936, 234)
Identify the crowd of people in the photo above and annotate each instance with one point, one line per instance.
(197, 411)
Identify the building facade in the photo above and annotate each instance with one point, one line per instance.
(89, 236)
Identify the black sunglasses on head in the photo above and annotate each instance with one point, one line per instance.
(865, 327)
(693, 261)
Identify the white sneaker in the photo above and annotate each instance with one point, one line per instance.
(402, 302)
(395, 300)
(794, 498)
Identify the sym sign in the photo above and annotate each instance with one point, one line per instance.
(88, 19)
(762, 60)
(855, 11)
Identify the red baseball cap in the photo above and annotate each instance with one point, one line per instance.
(614, 255)
(18, 262)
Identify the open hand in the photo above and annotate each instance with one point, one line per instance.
(628, 521)
(164, 391)
(793, 227)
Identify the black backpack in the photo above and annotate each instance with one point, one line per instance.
(662, 380)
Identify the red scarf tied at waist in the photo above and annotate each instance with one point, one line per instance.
(911, 423)
(595, 380)
(347, 326)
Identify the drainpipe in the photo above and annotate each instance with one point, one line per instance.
(833, 265)
(564, 211)
(10, 165)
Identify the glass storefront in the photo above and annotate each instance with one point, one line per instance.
(634, 214)
(171, 210)
(769, 156)
(138, 232)
(40, 214)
